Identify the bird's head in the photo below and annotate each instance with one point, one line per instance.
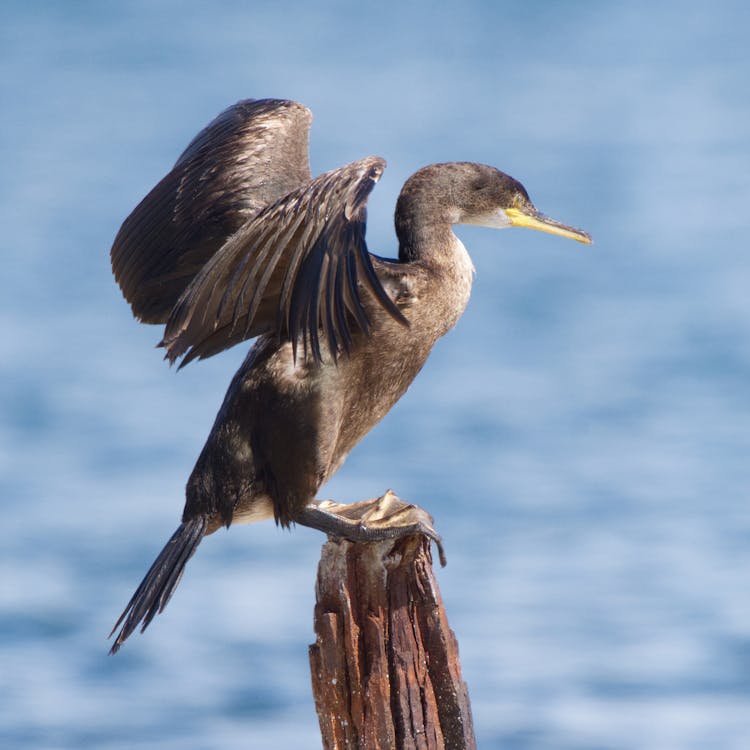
(469, 193)
(491, 198)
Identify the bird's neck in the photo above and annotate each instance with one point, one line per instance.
(442, 277)
(433, 245)
(424, 228)
(426, 240)
(436, 247)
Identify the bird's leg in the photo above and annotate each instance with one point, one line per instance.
(386, 517)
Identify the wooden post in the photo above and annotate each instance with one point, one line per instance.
(385, 667)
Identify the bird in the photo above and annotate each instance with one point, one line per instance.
(239, 241)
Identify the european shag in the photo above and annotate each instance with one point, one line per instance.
(238, 241)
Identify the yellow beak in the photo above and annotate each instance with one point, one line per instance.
(543, 223)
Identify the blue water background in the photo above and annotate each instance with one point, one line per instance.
(581, 437)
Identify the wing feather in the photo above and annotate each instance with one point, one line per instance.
(252, 154)
(296, 268)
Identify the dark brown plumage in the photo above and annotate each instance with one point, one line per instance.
(237, 242)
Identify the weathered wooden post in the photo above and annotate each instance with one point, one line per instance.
(385, 666)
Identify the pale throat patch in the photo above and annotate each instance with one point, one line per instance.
(496, 219)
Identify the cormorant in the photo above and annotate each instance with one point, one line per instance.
(238, 241)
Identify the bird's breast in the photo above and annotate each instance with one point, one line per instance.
(383, 365)
(435, 294)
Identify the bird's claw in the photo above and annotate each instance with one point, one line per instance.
(378, 519)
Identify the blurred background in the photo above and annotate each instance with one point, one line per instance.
(581, 437)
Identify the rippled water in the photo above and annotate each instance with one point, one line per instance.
(581, 437)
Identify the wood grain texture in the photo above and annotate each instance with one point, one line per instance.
(385, 666)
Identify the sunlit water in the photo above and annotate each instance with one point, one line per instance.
(581, 437)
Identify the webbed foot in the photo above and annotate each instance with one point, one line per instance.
(386, 517)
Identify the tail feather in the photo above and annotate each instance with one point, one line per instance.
(159, 584)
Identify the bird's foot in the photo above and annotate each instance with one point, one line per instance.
(386, 517)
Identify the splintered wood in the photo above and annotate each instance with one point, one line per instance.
(385, 667)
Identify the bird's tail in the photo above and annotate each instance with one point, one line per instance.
(161, 580)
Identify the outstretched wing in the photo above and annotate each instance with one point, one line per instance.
(248, 157)
(298, 268)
